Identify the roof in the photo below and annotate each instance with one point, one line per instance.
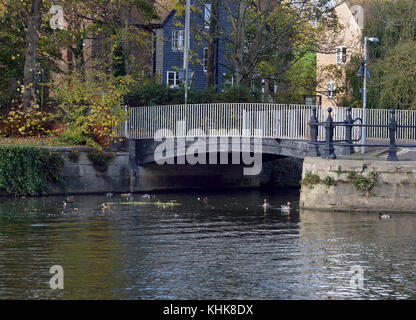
(163, 9)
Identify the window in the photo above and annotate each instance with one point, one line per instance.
(173, 80)
(331, 88)
(178, 40)
(207, 15)
(228, 80)
(341, 55)
(205, 59)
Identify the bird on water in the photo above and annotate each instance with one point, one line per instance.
(384, 216)
(128, 196)
(266, 204)
(105, 206)
(285, 208)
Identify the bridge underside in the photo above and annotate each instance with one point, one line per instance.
(148, 150)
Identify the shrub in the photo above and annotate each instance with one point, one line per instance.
(152, 93)
(147, 94)
(19, 124)
(90, 106)
(79, 136)
(310, 179)
(100, 160)
(240, 95)
(329, 181)
(28, 170)
(363, 184)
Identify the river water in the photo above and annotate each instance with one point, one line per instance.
(225, 247)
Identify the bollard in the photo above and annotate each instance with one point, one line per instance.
(313, 124)
(392, 133)
(329, 150)
(348, 130)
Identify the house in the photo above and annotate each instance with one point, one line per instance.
(347, 43)
(169, 43)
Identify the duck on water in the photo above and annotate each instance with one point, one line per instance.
(284, 208)
(384, 216)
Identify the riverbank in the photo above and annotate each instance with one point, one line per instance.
(358, 185)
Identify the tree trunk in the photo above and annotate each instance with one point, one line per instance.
(240, 42)
(212, 43)
(30, 68)
(125, 24)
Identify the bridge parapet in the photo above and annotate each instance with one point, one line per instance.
(274, 121)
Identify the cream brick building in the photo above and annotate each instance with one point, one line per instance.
(344, 44)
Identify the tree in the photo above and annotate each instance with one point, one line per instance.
(109, 25)
(27, 48)
(33, 18)
(212, 42)
(265, 33)
(31, 50)
(392, 65)
(264, 39)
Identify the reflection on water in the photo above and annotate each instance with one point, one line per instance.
(223, 247)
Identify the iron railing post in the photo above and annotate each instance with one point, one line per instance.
(329, 150)
(392, 133)
(313, 124)
(348, 130)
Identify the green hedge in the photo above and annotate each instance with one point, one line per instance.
(28, 170)
(153, 93)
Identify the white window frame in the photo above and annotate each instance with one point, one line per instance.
(176, 80)
(341, 55)
(207, 15)
(205, 59)
(178, 39)
(331, 88)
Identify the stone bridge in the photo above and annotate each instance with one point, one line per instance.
(275, 129)
(147, 150)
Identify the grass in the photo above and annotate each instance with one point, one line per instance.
(50, 141)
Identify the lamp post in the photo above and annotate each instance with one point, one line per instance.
(186, 47)
(365, 74)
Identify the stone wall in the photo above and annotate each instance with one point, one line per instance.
(124, 175)
(80, 177)
(394, 185)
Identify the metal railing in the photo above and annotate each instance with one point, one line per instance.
(282, 121)
(390, 128)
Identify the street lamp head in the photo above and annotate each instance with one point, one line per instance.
(376, 40)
